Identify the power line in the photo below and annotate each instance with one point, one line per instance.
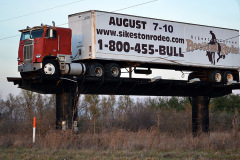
(40, 11)
(79, 20)
(74, 21)
(119, 10)
(232, 37)
(9, 37)
(135, 5)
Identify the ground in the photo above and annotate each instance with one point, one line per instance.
(69, 154)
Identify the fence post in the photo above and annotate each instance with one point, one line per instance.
(34, 129)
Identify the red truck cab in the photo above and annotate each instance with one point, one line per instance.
(41, 44)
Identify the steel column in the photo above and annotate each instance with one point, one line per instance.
(66, 109)
(200, 115)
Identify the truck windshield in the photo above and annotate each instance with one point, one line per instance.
(36, 33)
(32, 34)
(25, 35)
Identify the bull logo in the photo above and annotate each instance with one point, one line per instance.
(211, 54)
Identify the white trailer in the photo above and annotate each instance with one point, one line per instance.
(103, 37)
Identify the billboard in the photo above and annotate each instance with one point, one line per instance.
(140, 39)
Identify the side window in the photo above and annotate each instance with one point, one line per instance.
(54, 34)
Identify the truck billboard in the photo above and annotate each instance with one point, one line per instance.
(147, 40)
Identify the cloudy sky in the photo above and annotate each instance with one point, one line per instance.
(16, 15)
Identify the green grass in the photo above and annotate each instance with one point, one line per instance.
(70, 154)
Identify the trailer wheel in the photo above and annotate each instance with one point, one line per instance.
(215, 76)
(96, 70)
(112, 70)
(51, 68)
(228, 77)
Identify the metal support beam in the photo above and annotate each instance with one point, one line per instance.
(130, 72)
(66, 109)
(120, 86)
(200, 115)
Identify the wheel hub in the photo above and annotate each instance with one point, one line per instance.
(49, 69)
(115, 71)
(218, 77)
(98, 71)
(229, 77)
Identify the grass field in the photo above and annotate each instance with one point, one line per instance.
(120, 144)
(69, 154)
(146, 129)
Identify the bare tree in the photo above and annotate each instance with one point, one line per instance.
(91, 103)
(107, 111)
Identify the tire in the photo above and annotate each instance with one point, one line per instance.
(51, 68)
(112, 70)
(215, 76)
(96, 70)
(228, 76)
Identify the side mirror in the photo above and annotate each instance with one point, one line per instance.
(51, 33)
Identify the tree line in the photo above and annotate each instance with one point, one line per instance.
(97, 113)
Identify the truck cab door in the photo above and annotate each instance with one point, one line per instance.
(51, 43)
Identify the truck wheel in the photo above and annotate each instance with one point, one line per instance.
(228, 77)
(112, 70)
(96, 70)
(51, 68)
(215, 76)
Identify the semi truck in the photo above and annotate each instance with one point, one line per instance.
(100, 44)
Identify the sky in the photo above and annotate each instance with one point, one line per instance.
(16, 15)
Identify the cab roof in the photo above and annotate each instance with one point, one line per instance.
(30, 29)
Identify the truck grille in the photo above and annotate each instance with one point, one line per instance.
(28, 52)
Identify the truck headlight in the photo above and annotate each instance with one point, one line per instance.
(38, 56)
(62, 58)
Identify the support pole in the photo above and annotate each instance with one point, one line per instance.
(130, 72)
(65, 109)
(200, 115)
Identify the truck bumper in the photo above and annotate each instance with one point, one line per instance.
(29, 67)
